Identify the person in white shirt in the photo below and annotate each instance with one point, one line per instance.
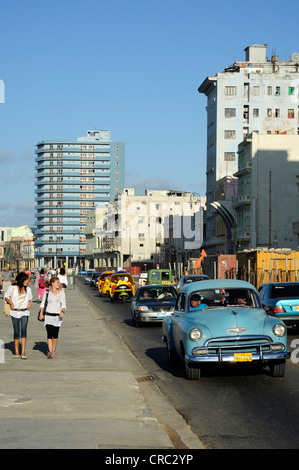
(53, 314)
(19, 297)
(62, 278)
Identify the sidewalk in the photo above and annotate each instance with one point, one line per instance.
(89, 397)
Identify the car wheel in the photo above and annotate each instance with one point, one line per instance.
(111, 300)
(171, 354)
(277, 369)
(135, 322)
(192, 373)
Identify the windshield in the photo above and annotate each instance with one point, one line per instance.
(187, 280)
(157, 293)
(165, 275)
(122, 278)
(224, 298)
(285, 291)
(104, 276)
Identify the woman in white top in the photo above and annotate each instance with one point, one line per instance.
(53, 315)
(19, 296)
(62, 278)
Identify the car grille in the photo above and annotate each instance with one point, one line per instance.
(231, 344)
(162, 309)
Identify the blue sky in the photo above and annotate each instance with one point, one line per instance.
(129, 66)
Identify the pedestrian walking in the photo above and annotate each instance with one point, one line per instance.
(6, 279)
(19, 297)
(55, 309)
(41, 284)
(28, 272)
(63, 278)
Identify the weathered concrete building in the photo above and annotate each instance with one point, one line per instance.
(267, 202)
(158, 228)
(256, 94)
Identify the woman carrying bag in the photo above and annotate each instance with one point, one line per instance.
(19, 297)
(55, 309)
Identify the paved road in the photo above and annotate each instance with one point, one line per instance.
(233, 408)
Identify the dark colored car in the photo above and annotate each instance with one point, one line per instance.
(188, 278)
(94, 279)
(153, 304)
(281, 299)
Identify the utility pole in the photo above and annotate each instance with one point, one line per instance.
(270, 211)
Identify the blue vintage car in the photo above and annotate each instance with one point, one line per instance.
(281, 299)
(219, 322)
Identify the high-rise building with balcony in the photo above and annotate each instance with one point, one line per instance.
(254, 95)
(73, 177)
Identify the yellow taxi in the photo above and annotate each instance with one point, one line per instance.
(122, 286)
(104, 282)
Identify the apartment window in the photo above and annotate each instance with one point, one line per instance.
(256, 112)
(229, 134)
(291, 114)
(291, 90)
(230, 90)
(256, 91)
(246, 114)
(229, 156)
(269, 112)
(246, 91)
(277, 113)
(277, 91)
(269, 90)
(230, 112)
(245, 132)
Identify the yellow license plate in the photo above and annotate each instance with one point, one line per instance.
(243, 357)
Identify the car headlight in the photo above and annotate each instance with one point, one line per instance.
(143, 308)
(195, 334)
(279, 330)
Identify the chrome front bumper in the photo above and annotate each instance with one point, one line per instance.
(222, 357)
(225, 350)
(152, 316)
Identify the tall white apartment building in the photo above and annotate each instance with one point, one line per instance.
(73, 177)
(256, 94)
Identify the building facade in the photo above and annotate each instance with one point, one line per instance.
(17, 247)
(72, 177)
(256, 94)
(157, 228)
(267, 202)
